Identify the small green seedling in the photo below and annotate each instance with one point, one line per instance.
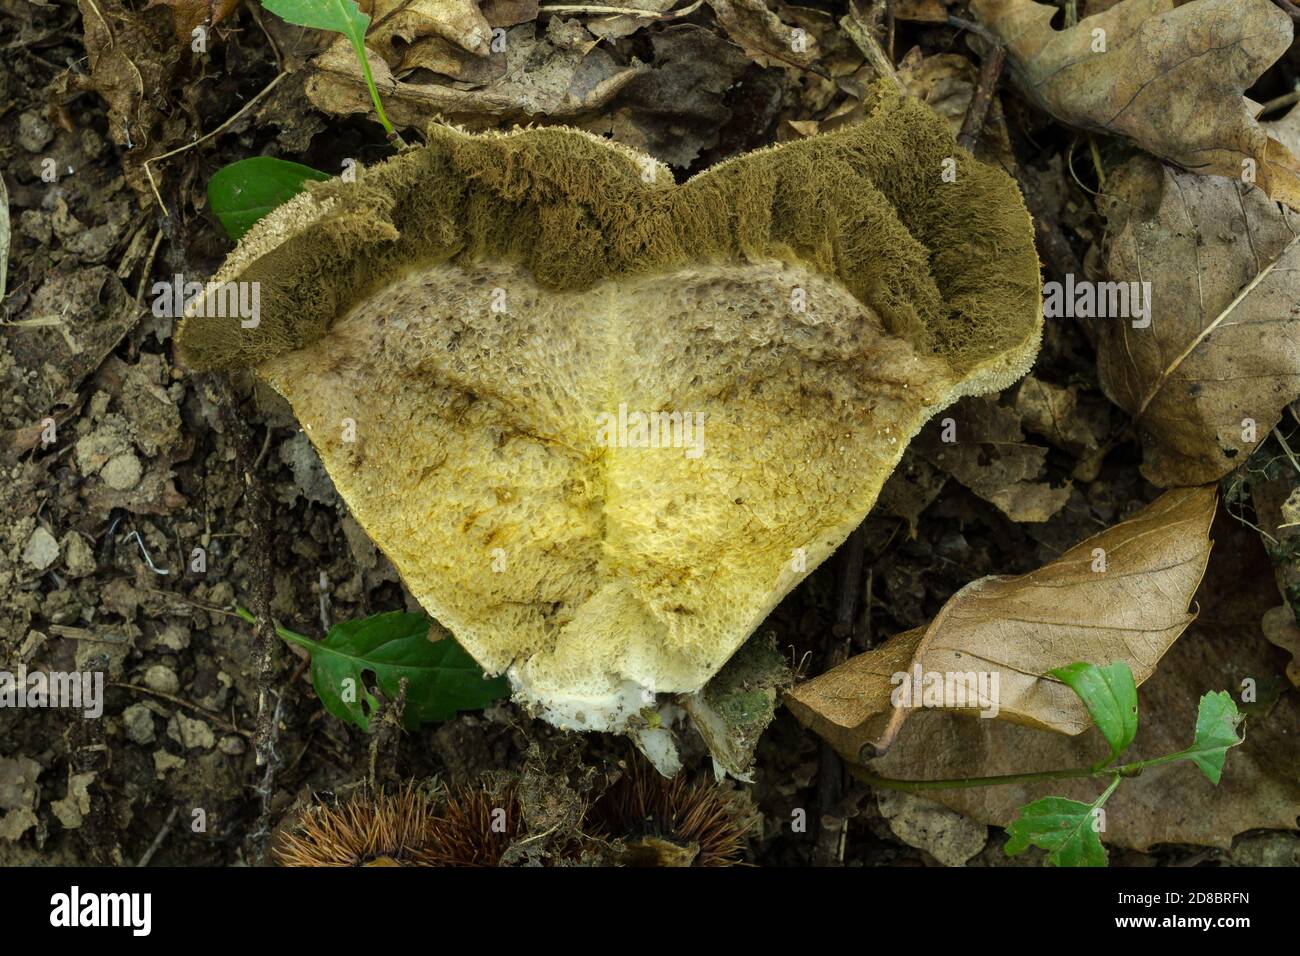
(337, 16)
(441, 678)
(245, 191)
(1070, 831)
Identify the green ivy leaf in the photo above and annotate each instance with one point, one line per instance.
(1064, 828)
(1110, 695)
(1217, 720)
(244, 192)
(441, 678)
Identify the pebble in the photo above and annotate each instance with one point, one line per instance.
(190, 732)
(122, 473)
(42, 549)
(78, 557)
(137, 720)
(34, 133)
(232, 745)
(162, 679)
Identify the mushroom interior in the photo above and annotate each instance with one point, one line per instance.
(601, 423)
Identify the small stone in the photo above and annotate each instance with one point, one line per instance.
(163, 761)
(34, 133)
(42, 549)
(94, 450)
(174, 637)
(137, 720)
(162, 679)
(78, 557)
(190, 732)
(232, 745)
(122, 472)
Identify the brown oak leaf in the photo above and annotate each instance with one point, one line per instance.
(1169, 78)
(1120, 595)
(1210, 374)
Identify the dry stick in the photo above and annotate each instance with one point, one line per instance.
(266, 644)
(990, 71)
(206, 136)
(1292, 10)
(860, 32)
(181, 702)
(158, 840)
(832, 824)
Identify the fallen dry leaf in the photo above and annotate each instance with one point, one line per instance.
(763, 35)
(1019, 628)
(1279, 627)
(1169, 78)
(1171, 804)
(457, 21)
(558, 75)
(979, 442)
(946, 83)
(134, 63)
(187, 15)
(911, 489)
(676, 108)
(1209, 375)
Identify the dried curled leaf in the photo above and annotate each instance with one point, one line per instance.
(1210, 374)
(1013, 630)
(1170, 78)
(558, 73)
(980, 443)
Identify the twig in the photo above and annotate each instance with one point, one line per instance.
(1277, 102)
(205, 137)
(981, 31)
(597, 10)
(158, 840)
(1291, 9)
(863, 37)
(266, 645)
(977, 112)
(832, 826)
(180, 702)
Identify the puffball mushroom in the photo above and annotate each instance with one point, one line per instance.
(602, 423)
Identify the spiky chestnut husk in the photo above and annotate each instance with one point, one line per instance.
(368, 830)
(669, 822)
(653, 821)
(474, 828)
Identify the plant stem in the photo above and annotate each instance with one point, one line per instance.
(282, 632)
(963, 783)
(394, 137)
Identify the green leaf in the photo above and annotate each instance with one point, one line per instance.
(1062, 827)
(244, 192)
(1217, 720)
(338, 16)
(1110, 695)
(442, 679)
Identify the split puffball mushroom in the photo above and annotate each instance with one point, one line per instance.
(602, 423)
